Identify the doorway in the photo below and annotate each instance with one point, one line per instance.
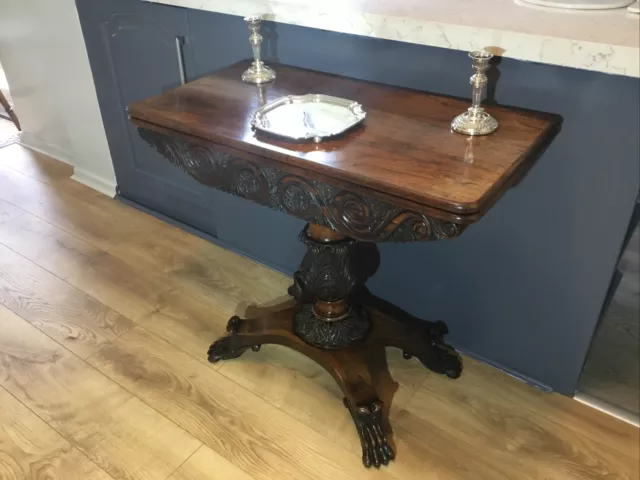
(610, 378)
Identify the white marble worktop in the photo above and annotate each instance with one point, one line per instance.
(603, 41)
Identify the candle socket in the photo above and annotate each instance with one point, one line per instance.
(475, 121)
(258, 72)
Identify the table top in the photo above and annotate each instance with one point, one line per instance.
(405, 148)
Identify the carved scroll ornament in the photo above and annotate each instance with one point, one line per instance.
(357, 216)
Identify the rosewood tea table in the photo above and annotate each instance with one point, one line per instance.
(401, 176)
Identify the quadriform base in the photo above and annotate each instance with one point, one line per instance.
(333, 325)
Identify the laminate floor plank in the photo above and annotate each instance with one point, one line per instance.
(120, 434)
(66, 314)
(70, 213)
(45, 169)
(144, 241)
(510, 421)
(31, 450)
(434, 454)
(258, 438)
(129, 291)
(8, 212)
(34, 164)
(297, 385)
(202, 268)
(206, 464)
(190, 324)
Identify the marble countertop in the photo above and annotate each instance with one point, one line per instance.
(603, 41)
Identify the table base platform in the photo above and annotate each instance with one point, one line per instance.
(334, 325)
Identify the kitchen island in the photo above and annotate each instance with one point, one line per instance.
(524, 288)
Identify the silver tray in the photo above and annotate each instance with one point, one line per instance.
(305, 117)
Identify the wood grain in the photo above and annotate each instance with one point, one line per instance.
(110, 280)
(206, 464)
(255, 436)
(8, 212)
(404, 148)
(95, 414)
(31, 450)
(39, 166)
(87, 221)
(188, 323)
(66, 314)
(142, 241)
(545, 432)
(297, 385)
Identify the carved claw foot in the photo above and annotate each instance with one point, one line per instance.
(438, 356)
(376, 450)
(229, 346)
(442, 358)
(224, 349)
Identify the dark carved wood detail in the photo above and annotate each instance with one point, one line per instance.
(376, 450)
(357, 216)
(433, 352)
(326, 278)
(353, 327)
(326, 272)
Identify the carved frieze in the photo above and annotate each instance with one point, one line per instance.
(357, 216)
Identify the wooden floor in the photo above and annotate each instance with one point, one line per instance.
(105, 317)
(8, 131)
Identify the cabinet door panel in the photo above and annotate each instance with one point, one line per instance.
(136, 50)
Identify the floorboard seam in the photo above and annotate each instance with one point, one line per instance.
(71, 442)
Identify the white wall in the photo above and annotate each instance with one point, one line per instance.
(44, 58)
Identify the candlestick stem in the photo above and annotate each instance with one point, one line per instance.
(475, 121)
(258, 72)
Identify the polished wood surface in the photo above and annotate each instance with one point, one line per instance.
(146, 405)
(404, 149)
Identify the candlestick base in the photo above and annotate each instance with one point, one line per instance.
(258, 73)
(474, 122)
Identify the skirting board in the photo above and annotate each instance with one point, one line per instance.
(80, 175)
(93, 181)
(34, 143)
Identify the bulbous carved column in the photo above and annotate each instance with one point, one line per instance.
(324, 284)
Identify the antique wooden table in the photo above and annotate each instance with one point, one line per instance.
(402, 176)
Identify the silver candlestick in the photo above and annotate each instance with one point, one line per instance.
(475, 121)
(258, 72)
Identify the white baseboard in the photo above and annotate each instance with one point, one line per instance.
(91, 180)
(31, 141)
(619, 413)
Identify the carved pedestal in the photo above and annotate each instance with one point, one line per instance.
(332, 323)
(333, 327)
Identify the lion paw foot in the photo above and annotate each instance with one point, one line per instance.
(376, 450)
(442, 358)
